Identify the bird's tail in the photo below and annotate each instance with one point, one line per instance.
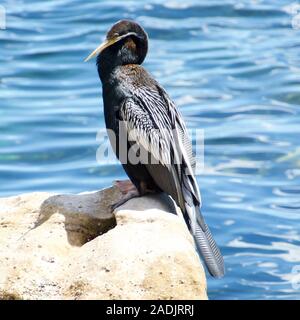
(206, 244)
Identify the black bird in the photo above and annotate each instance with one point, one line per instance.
(151, 122)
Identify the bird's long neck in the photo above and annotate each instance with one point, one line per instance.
(108, 73)
(106, 65)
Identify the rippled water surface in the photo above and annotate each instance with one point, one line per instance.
(233, 68)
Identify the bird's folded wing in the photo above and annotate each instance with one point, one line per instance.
(155, 124)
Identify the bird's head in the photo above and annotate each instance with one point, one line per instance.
(126, 43)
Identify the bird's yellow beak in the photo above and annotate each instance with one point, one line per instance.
(102, 46)
(107, 44)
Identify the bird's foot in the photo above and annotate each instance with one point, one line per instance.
(125, 186)
(128, 190)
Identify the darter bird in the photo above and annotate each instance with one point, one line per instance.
(154, 125)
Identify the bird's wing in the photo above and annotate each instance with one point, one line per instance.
(154, 123)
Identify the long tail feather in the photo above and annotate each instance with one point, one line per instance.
(207, 246)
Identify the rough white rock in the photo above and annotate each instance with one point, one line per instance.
(72, 247)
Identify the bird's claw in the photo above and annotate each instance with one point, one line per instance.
(129, 195)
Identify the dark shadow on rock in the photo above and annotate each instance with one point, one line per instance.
(86, 216)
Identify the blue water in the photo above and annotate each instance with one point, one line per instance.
(232, 67)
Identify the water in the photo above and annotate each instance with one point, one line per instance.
(233, 68)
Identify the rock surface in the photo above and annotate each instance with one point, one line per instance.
(72, 247)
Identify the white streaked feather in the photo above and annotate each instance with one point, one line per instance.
(154, 122)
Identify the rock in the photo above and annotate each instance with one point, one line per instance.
(72, 247)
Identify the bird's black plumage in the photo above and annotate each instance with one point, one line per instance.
(152, 122)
